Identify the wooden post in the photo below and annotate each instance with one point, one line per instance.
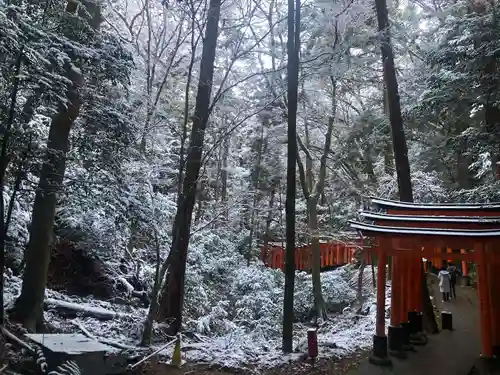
(418, 286)
(380, 330)
(436, 262)
(484, 303)
(415, 264)
(464, 265)
(395, 292)
(492, 269)
(415, 268)
(406, 292)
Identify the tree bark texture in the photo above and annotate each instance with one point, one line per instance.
(172, 301)
(398, 136)
(399, 145)
(293, 48)
(319, 302)
(28, 308)
(4, 159)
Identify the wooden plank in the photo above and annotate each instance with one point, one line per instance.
(379, 229)
(428, 254)
(435, 212)
(426, 218)
(387, 203)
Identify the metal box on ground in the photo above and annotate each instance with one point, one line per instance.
(92, 357)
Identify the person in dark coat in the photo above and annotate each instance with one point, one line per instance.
(453, 271)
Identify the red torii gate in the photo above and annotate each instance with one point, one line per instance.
(332, 253)
(408, 232)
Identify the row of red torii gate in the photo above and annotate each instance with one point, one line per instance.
(409, 233)
(338, 253)
(332, 253)
(416, 237)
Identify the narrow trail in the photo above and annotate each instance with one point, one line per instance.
(451, 353)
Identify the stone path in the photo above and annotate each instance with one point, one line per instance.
(449, 352)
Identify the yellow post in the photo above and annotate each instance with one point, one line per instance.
(176, 355)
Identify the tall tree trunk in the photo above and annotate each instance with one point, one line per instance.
(319, 302)
(225, 156)
(388, 157)
(28, 308)
(312, 195)
(398, 136)
(269, 219)
(359, 290)
(3, 168)
(173, 296)
(153, 308)
(20, 176)
(256, 194)
(293, 48)
(184, 130)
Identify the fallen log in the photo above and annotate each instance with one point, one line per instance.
(131, 292)
(83, 310)
(104, 341)
(129, 287)
(13, 338)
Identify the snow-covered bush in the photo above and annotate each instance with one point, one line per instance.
(223, 292)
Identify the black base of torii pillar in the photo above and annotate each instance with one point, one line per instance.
(379, 353)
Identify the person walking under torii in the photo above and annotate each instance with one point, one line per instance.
(444, 283)
(454, 273)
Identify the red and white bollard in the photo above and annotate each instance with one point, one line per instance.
(312, 343)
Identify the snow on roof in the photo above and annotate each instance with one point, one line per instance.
(433, 206)
(448, 219)
(425, 231)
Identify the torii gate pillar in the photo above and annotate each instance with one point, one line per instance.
(379, 353)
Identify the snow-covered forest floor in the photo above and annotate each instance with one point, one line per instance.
(129, 180)
(236, 341)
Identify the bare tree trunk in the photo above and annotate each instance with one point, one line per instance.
(20, 175)
(319, 301)
(3, 168)
(28, 308)
(359, 291)
(388, 156)
(199, 198)
(225, 155)
(172, 302)
(153, 308)
(312, 194)
(269, 217)
(194, 44)
(256, 194)
(398, 136)
(149, 80)
(293, 49)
